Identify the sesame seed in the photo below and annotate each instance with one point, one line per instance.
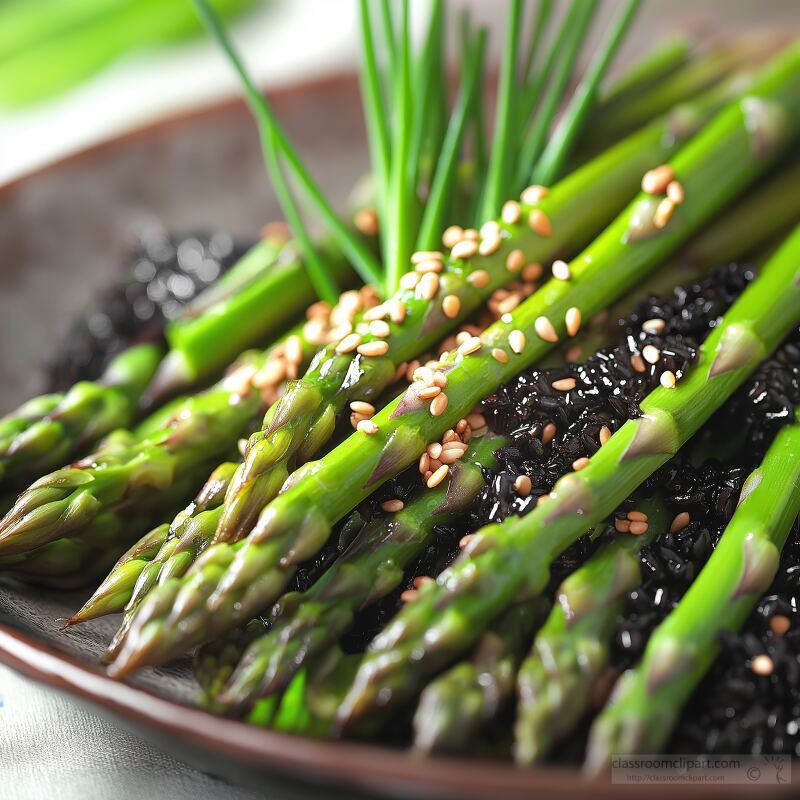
(376, 313)
(668, 379)
(561, 271)
(511, 212)
(680, 522)
(549, 432)
(675, 192)
(490, 230)
(471, 234)
(471, 345)
(655, 181)
(532, 271)
(451, 305)
(362, 407)
(397, 311)
(489, 245)
(580, 463)
(516, 341)
(424, 463)
(476, 420)
(573, 320)
(452, 236)
(438, 405)
(622, 525)
(637, 362)
(349, 343)
(426, 255)
(564, 384)
(762, 665)
(500, 355)
(522, 485)
(779, 624)
(653, 325)
(461, 426)
(438, 476)
(431, 265)
(367, 426)
(605, 434)
(434, 449)
(429, 392)
(515, 261)
(409, 280)
(465, 540)
(638, 528)
(271, 374)
(379, 328)
(533, 194)
(479, 279)
(663, 213)
(464, 249)
(428, 286)
(637, 516)
(424, 374)
(366, 220)
(373, 349)
(421, 580)
(409, 596)
(509, 303)
(651, 354)
(440, 379)
(539, 222)
(392, 506)
(545, 330)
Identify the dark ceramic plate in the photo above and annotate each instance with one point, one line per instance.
(62, 230)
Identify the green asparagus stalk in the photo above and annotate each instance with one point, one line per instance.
(504, 561)
(576, 208)
(648, 699)
(149, 553)
(459, 703)
(229, 584)
(43, 433)
(571, 651)
(304, 624)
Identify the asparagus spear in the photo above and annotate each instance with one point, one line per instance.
(44, 432)
(454, 707)
(575, 208)
(230, 583)
(571, 651)
(503, 561)
(647, 700)
(304, 624)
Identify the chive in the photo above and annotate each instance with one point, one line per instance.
(540, 20)
(497, 178)
(389, 42)
(445, 174)
(363, 261)
(578, 20)
(583, 101)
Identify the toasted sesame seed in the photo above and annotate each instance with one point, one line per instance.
(393, 506)
(509, 303)
(465, 540)
(533, 194)
(622, 525)
(379, 328)
(638, 528)
(522, 485)
(680, 522)
(580, 463)
(451, 305)
(362, 407)
(438, 476)
(489, 245)
(545, 330)
(428, 286)
(426, 255)
(349, 343)
(366, 220)
(409, 596)
(605, 434)
(762, 665)
(452, 235)
(397, 311)
(373, 349)
(362, 328)
(655, 181)
(429, 392)
(424, 374)
(637, 362)
(651, 354)
(271, 374)
(469, 346)
(564, 384)
(367, 426)
(471, 234)
(516, 341)
(434, 449)
(663, 213)
(511, 212)
(549, 432)
(573, 320)
(431, 265)
(476, 420)
(421, 580)
(490, 230)
(539, 222)
(779, 624)
(675, 192)
(409, 280)
(464, 249)
(561, 271)
(320, 309)
(500, 355)
(480, 278)
(667, 379)
(515, 261)
(637, 516)
(438, 405)
(424, 463)
(532, 271)
(653, 325)
(461, 426)
(376, 313)
(440, 379)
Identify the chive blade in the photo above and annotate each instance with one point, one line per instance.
(543, 12)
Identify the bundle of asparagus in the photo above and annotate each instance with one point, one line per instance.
(541, 483)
